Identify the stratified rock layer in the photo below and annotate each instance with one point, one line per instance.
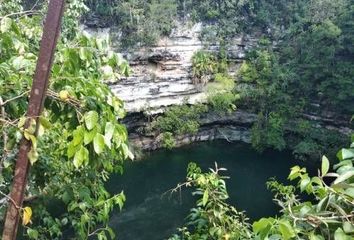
(161, 74)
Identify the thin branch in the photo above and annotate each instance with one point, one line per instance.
(9, 198)
(28, 12)
(13, 123)
(95, 232)
(34, 5)
(4, 135)
(14, 98)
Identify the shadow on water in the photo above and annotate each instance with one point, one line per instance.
(150, 215)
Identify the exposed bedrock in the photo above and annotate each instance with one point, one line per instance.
(162, 76)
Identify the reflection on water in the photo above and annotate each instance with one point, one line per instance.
(150, 215)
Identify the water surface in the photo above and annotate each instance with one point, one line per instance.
(150, 215)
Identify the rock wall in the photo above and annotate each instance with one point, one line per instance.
(231, 127)
(162, 77)
(162, 74)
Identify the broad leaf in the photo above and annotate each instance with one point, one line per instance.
(345, 154)
(286, 230)
(344, 177)
(81, 157)
(304, 183)
(32, 155)
(91, 119)
(340, 235)
(89, 136)
(109, 130)
(98, 143)
(325, 165)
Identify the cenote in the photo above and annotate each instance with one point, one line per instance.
(149, 214)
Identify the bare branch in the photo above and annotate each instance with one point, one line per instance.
(14, 98)
(4, 135)
(28, 12)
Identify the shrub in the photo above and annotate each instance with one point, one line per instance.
(180, 119)
(329, 215)
(168, 141)
(223, 102)
(204, 65)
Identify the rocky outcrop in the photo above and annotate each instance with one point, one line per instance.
(231, 127)
(229, 133)
(161, 74)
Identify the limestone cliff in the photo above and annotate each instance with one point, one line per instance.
(161, 74)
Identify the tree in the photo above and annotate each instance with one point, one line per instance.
(328, 215)
(80, 141)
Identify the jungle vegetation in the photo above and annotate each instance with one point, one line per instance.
(79, 142)
(302, 66)
(328, 216)
(305, 57)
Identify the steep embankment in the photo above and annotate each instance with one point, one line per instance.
(162, 76)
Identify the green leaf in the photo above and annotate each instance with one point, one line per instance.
(348, 227)
(32, 155)
(263, 226)
(296, 172)
(78, 135)
(304, 183)
(83, 52)
(72, 149)
(325, 165)
(32, 234)
(343, 163)
(286, 230)
(350, 192)
(323, 204)
(340, 235)
(313, 236)
(345, 154)
(91, 119)
(89, 136)
(81, 157)
(344, 177)
(98, 143)
(21, 122)
(205, 197)
(45, 122)
(119, 199)
(124, 68)
(126, 152)
(109, 130)
(317, 180)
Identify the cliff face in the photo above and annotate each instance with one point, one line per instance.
(162, 74)
(231, 127)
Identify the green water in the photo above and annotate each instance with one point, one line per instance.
(150, 215)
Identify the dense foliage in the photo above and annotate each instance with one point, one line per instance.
(178, 120)
(303, 66)
(329, 215)
(143, 22)
(213, 218)
(208, 72)
(80, 141)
